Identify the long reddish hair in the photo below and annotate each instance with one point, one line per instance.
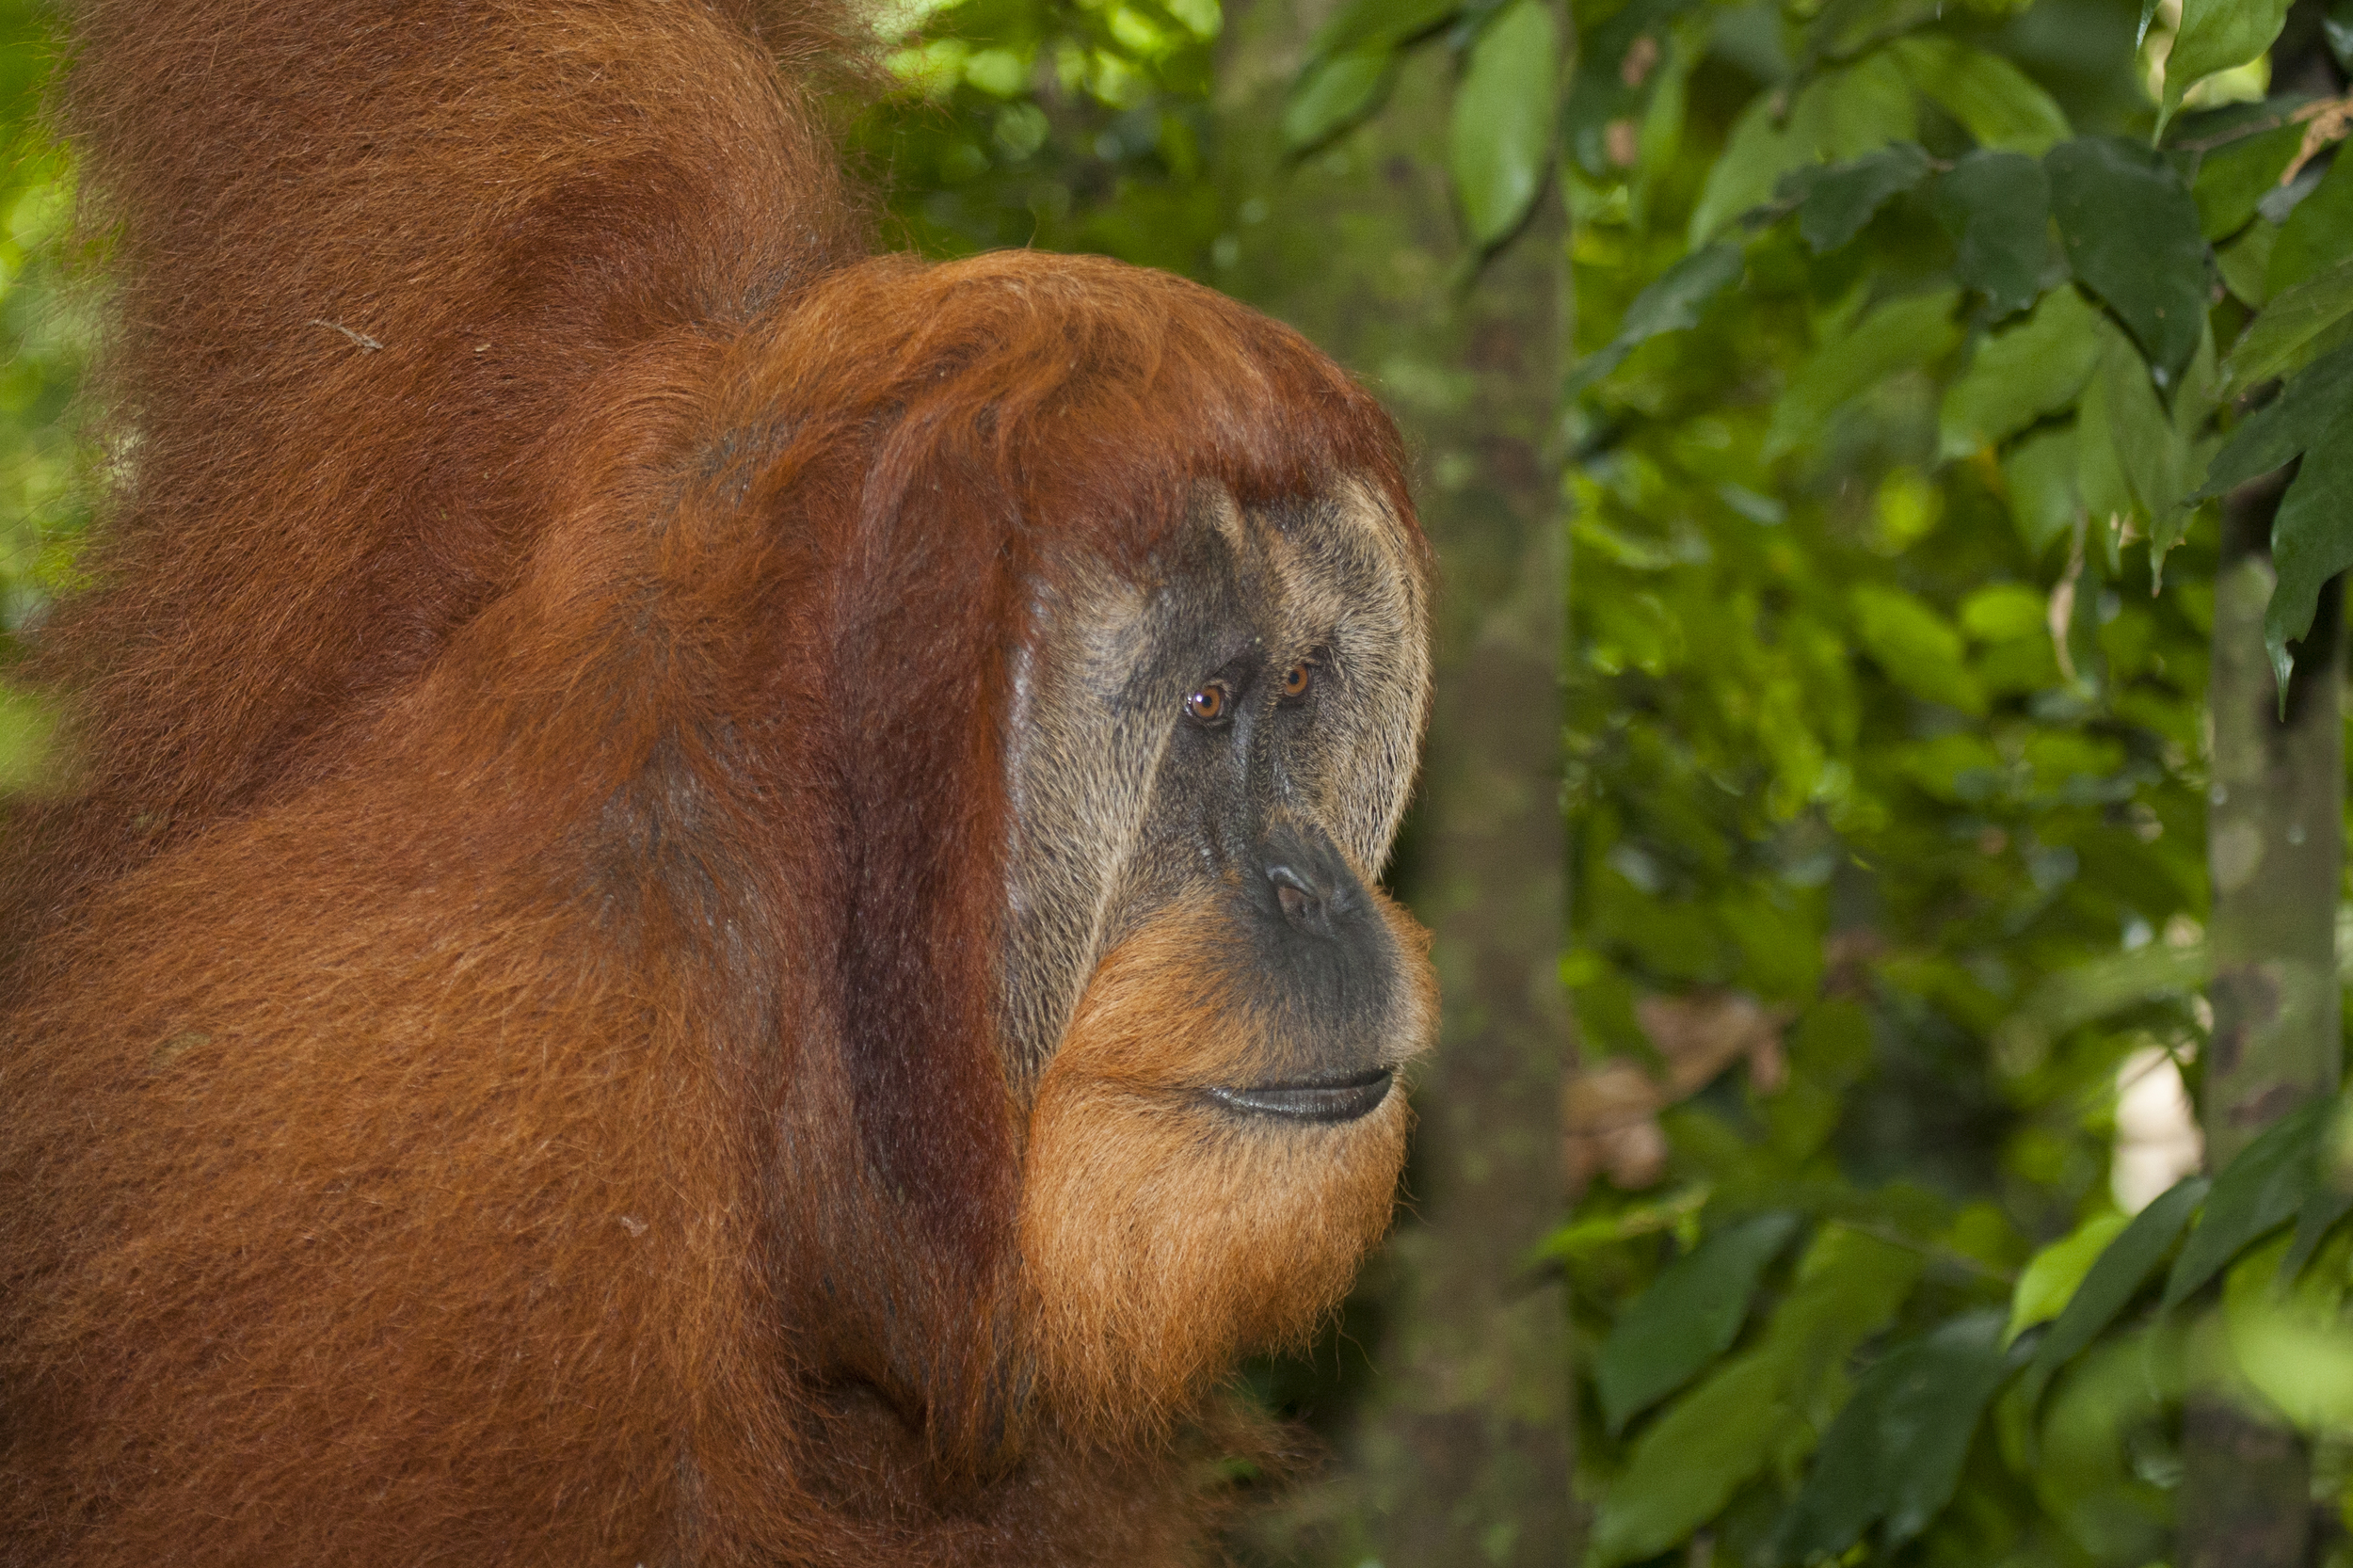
(532, 864)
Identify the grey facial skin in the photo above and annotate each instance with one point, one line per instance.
(1235, 734)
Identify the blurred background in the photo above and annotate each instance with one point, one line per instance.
(1877, 875)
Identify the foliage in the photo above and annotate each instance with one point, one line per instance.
(1902, 327)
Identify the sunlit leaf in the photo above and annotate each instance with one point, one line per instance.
(2112, 1282)
(1334, 94)
(1996, 103)
(2131, 235)
(1689, 1315)
(2216, 35)
(2052, 1276)
(1502, 133)
(1997, 206)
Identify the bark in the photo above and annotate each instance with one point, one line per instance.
(1460, 1453)
(2274, 850)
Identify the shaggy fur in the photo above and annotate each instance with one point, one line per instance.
(503, 1064)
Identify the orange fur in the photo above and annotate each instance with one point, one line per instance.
(498, 1065)
(1162, 1234)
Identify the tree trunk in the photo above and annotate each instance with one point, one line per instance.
(2274, 849)
(1459, 1454)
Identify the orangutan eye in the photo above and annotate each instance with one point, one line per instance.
(1211, 704)
(1298, 680)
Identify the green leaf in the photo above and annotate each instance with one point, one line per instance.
(1914, 646)
(2325, 1206)
(2310, 539)
(2311, 407)
(1894, 1454)
(2035, 368)
(2257, 1192)
(1995, 102)
(1835, 200)
(1379, 25)
(1997, 207)
(1502, 134)
(2217, 35)
(2052, 1276)
(2123, 1268)
(1689, 1461)
(2244, 262)
(2312, 535)
(2131, 236)
(1689, 1315)
(2317, 236)
(1671, 303)
(2044, 500)
(1334, 94)
(1841, 114)
(2282, 337)
(2134, 463)
(2234, 177)
(1899, 335)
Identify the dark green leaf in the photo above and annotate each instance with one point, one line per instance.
(2328, 1204)
(1502, 132)
(2316, 237)
(1669, 305)
(2311, 536)
(1894, 1454)
(1689, 1315)
(2254, 1195)
(1841, 114)
(2288, 329)
(2116, 1279)
(2233, 177)
(1334, 94)
(2313, 406)
(1997, 206)
(1995, 102)
(2217, 35)
(1835, 200)
(2130, 234)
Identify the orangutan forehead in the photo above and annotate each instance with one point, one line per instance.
(1318, 563)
